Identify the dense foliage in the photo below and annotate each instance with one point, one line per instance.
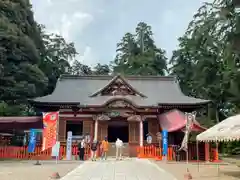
(31, 60)
(207, 61)
(137, 54)
(20, 43)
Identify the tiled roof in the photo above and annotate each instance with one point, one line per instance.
(157, 90)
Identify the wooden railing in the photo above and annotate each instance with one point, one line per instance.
(11, 152)
(153, 152)
(156, 153)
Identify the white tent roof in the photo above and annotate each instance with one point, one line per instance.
(227, 130)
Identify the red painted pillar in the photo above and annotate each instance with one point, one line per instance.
(207, 154)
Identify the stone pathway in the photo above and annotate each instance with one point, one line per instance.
(128, 169)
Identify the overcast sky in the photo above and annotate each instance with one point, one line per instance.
(96, 26)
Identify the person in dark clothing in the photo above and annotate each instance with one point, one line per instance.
(94, 146)
(81, 149)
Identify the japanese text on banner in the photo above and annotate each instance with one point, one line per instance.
(32, 141)
(165, 142)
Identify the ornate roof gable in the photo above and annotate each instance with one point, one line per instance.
(118, 86)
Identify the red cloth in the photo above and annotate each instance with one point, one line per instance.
(175, 120)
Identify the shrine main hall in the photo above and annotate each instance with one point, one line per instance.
(125, 107)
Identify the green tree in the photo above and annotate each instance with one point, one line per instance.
(31, 60)
(101, 69)
(80, 69)
(207, 61)
(137, 54)
(56, 56)
(20, 76)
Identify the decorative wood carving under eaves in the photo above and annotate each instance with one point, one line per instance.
(103, 117)
(118, 88)
(118, 104)
(134, 118)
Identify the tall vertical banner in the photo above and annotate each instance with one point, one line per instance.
(165, 142)
(50, 121)
(190, 118)
(32, 141)
(69, 145)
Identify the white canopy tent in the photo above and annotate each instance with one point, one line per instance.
(227, 130)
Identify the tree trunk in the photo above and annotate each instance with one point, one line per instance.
(217, 115)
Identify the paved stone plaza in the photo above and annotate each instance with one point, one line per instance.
(128, 169)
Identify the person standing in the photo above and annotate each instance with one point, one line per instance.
(119, 146)
(104, 148)
(81, 149)
(94, 149)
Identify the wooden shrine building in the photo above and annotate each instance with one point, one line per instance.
(125, 107)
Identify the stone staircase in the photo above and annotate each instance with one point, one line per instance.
(112, 150)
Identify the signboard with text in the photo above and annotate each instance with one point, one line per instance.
(165, 142)
(32, 141)
(69, 145)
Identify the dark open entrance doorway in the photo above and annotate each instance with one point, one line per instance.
(76, 127)
(118, 129)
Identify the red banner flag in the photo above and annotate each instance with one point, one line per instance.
(50, 120)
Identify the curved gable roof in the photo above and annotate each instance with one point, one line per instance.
(112, 81)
